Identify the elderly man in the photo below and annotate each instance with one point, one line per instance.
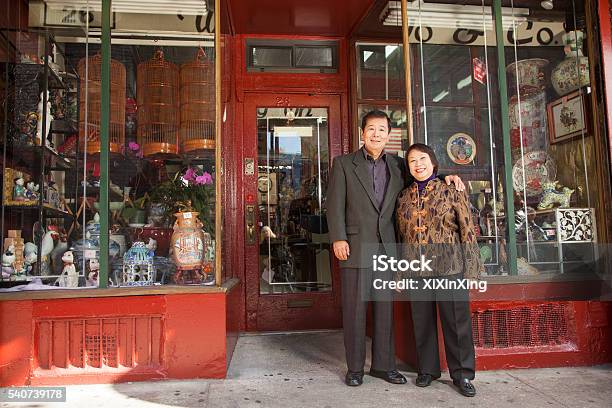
(361, 198)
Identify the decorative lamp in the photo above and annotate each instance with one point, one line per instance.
(197, 131)
(158, 100)
(138, 267)
(90, 72)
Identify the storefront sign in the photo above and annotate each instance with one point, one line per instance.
(526, 34)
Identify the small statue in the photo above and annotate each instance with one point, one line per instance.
(19, 191)
(32, 191)
(151, 246)
(552, 196)
(39, 125)
(30, 256)
(69, 277)
(8, 262)
(46, 247)
(93, 273)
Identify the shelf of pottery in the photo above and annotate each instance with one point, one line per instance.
(36, 212)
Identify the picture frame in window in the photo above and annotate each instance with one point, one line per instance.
(568, 117)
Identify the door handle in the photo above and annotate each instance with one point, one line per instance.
(249, 221)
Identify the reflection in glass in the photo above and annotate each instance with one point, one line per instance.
(293, 162)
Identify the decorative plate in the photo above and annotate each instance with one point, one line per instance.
(461, 148)
(539, 168)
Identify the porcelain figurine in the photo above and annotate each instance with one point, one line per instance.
(151, 246)
(39, 125)
(93, 273)
(69, 277)
(46, 247)
(573, 72)
(19, 191)
(58, 251)
(8, 262)
(32, 190)
(552, 196)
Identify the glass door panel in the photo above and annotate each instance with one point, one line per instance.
(293, 162)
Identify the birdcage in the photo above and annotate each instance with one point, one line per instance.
(197, 131)
(90, 72)
(158, 101)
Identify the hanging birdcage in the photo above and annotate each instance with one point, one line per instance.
(158, 100)
(197, 105)
(90, 73)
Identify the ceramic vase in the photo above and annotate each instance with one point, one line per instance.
(573, 72)
(527, 73)
(187, 242)
(527, 121)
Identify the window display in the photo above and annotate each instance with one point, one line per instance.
(161, 140)
(458, 109)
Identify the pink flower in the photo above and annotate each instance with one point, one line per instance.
(190, 174)
(134, 146)
(205, 178)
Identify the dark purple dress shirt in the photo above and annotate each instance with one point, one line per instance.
(380, 175)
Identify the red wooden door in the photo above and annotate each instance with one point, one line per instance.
(292, 282)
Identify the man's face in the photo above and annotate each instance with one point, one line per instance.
(375, 135)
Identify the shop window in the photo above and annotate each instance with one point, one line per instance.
(162, 147)
(458, 110)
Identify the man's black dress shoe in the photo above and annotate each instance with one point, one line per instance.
(354, 378)
(425, 380)
(465, 387)
(393, 376)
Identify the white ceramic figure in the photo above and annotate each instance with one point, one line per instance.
(8, 262)
(57, 253)
(69, 277)
(39, 125)
(47, 245)
(93, 273)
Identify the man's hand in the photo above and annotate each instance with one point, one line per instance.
(457, 180)
(341, 250)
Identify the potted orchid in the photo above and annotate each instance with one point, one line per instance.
(190, 185)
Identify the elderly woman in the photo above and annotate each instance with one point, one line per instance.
(434, 221)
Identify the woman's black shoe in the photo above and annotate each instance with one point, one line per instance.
(354, 378)
(424, 380)
(465, 387)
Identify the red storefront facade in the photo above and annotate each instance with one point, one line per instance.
(129, 334)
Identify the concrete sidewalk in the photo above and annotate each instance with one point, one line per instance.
(307, 370)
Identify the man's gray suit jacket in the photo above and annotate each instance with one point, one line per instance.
(352, 211)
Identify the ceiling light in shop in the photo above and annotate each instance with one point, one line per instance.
(450, 15)
(547, 4)
(182, 7)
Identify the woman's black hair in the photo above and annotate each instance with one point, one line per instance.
(423, 148)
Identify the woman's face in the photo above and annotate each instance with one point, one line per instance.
(420, 165)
